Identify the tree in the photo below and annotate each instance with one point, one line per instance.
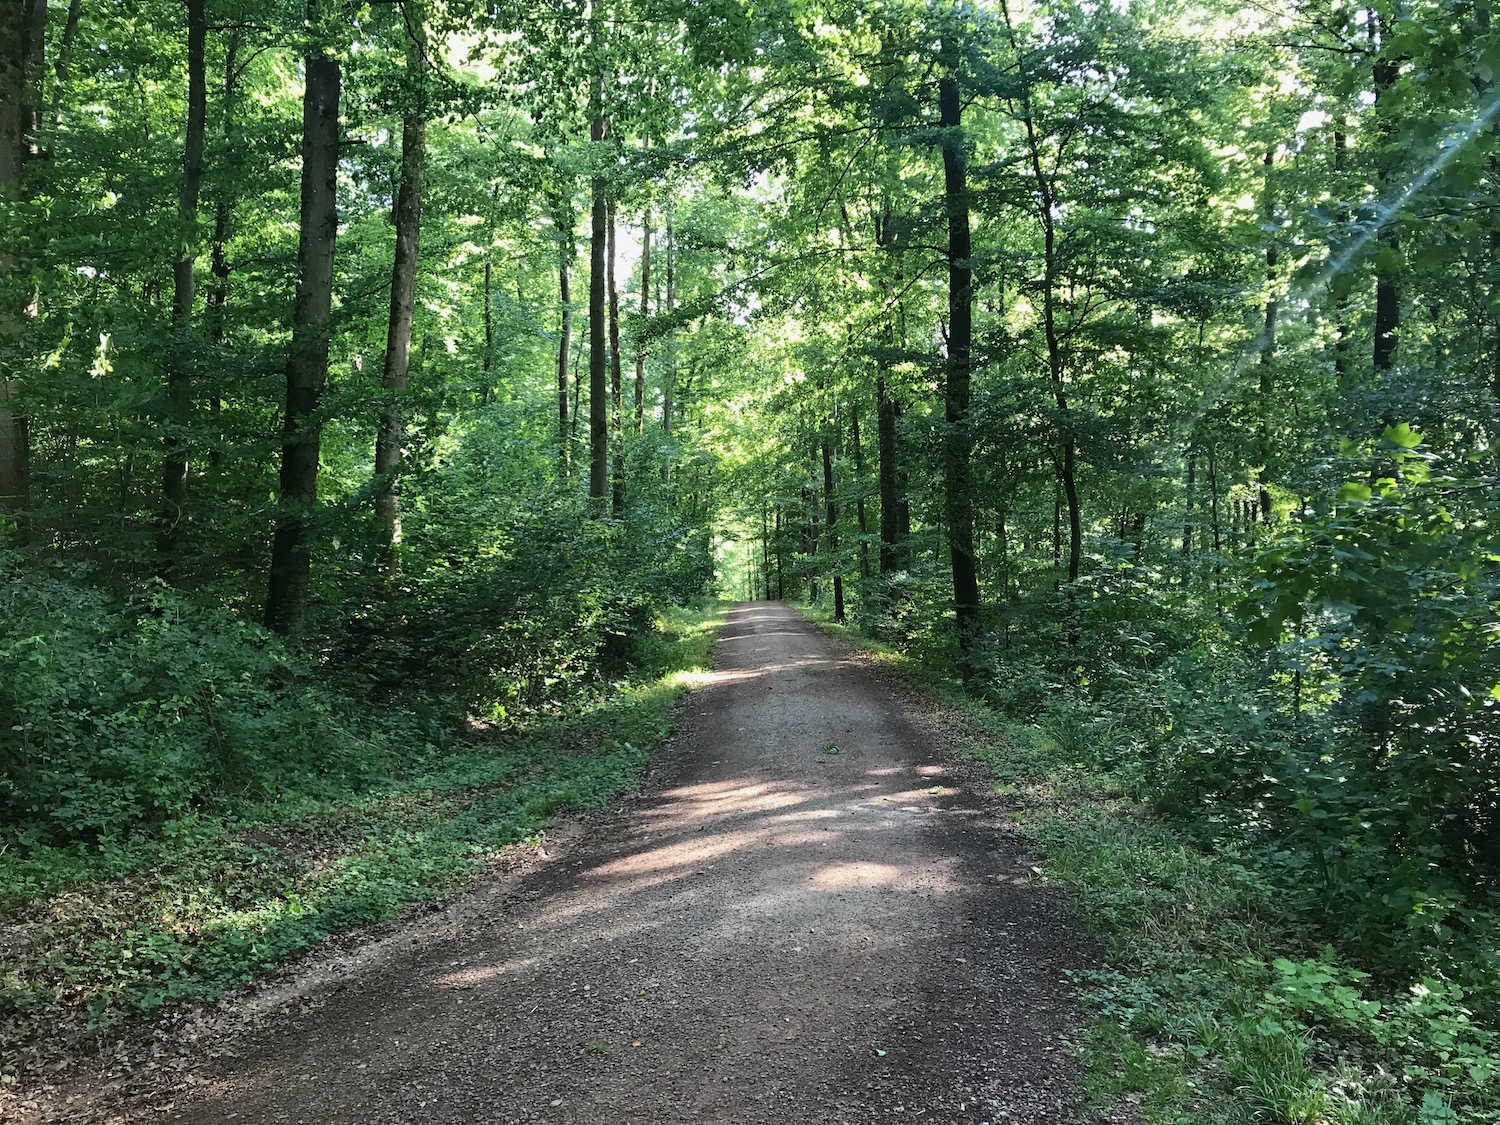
(307, 365)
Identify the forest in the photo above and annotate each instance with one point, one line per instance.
(388, 387)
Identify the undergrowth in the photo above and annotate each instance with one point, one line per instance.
(94, 934)
(1217, 1000)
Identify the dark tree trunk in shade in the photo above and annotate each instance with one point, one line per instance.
(397, 366)
(886, 415)
(63, 66)
(959, 443)
(179, 406)
(23, 26)
(1267, 344)
(640, 347)
(859, 473)
(218, 253)
(564, 343)
(831, 519)
(1387, 267)
(598, 330)
(307, 365)
(616, 378)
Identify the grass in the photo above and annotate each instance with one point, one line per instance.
(90, 941)
(1212, 1004)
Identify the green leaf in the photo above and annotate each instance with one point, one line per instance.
(1402, 435)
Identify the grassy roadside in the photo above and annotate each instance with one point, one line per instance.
(90, 941)
(1212, 1005)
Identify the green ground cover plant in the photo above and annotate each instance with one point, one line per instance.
(103, 930)
(1221, 997)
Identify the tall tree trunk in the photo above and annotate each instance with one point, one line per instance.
(831, 518)
(1267, 344)
(890, 497)
(1387, 261)
(616, 378)
(307, 366)
(393, 379)
(959, 446)
(1189, 497)
(174, 468)
(640, 346)
(780, 568)
(859, 473)
(1066, 464)
(765, 546)
(488, 364)
(669, 377)
(598, 331)
(1340, 285)
(218, 254)
(63, 65)
(565, 254)
(23, 25)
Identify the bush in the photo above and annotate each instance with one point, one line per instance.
(118, 715)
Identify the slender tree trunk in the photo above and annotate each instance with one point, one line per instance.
(1387, 267)
(669, 378)
(174, 469)
(1189, 494)
(565, 254)
(1267, 345)
(1066, 464)
(765, 547)
(831, 518)
(1340, 285)
(22, 56)
(890, 497)
(487, 365)
(393, 380)
(859, 473)
(958, 448)
(307, 366)
(616, 377)
(598, 331)
(218, 255)
(63, 66)
(640, 347)
(780, 566)
(1002, 547)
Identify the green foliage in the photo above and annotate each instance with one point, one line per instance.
(126, 716)
(222, 896)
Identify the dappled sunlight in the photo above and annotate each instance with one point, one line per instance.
(476, 975)
(849, 876)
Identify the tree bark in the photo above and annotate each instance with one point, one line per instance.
(174, 469)
(565, 328)
(307, 365)
(218, 254)
(407, 217)
(669, 377)
(640, 347)
(1267, 346)
(63, 66)
(598, 331)
(859, 473)
(959, 446)
(616, 378)
(22, 55)
(831, 519)
(1387, 274)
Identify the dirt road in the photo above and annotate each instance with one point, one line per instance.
(801, 921)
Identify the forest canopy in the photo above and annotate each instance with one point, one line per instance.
(366, 368)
